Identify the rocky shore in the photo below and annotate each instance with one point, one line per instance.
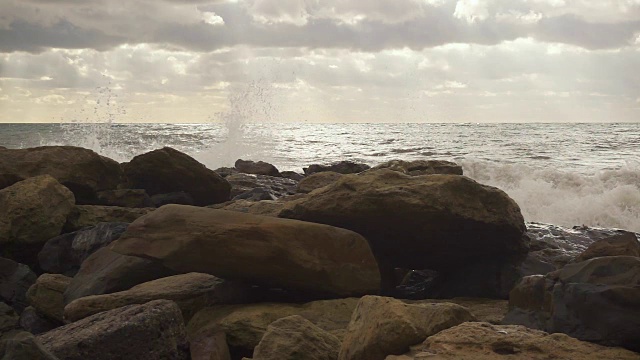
(163, 258)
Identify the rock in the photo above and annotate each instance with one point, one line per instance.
(597, 300)
(382, 326)
(626, 244)
(292, 175)
(256, 194)
(552, 246)
(8, 319)
(483, 341)
(293, 337)
(132, 198)
(178, 197)
(35, 323)
(210, 345)
(83, 216)
(317, 180)
(15, 280)
(105, 272)
(278, 186)
(262, 250)
(191, 292)
(263, 207)
(32, 212)
(167, 170)
(151, 331)
(245, 325)
(257, 168)
(80, 170)
(46, 295)
(447, 223)
(226, 171)
(24, 346)
(65, 253)
(342, 167)
(422, 167)
(486, 310)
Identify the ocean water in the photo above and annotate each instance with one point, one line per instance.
(562, 174)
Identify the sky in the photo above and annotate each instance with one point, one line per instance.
(194, 61)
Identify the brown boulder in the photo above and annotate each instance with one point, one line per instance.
(209, 345)
(105, 272)
(167, 170)
(317, 180)
(81, 170)
(597, 300)
(262, 250)
(294, 336)
(32, 212)
(46, 295)
(626, 244)
(257, 168)
(15, 280)
(191, 292)
(447, 223)
(83, 216)
(151, 331)
(382, 326)
(483, 341)
(245, 325)
(24, 346)
(422, 167)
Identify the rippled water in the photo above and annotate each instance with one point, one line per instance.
(565, 174)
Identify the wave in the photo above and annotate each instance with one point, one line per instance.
(607, 198)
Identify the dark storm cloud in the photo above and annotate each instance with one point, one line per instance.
(308, 24)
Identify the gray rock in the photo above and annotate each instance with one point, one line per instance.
(151, 331)
(24, 346)
(257, 168)
(35, 323)
(65, 253)
(342, 167)
(15, 280)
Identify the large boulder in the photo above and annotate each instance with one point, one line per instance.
(209, 345)
(167, 170)
(422, 167)
(262, 250)
(151, 331)
(342, 167)
(294, 337)
(447, 223)
(245, 325)
(191, 292)
(83, 216)
(32, 212)
(46, 295)
(24, 346)
(382, 326)
(81, 170)
(105, 272)
(317, 180)
(625, 244)
(597, 300)
(483, 341)
(65, 253)
(15, 280)
(257, 168)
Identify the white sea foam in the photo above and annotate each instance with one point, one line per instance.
(608, 198)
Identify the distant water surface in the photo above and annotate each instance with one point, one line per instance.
(564, 174)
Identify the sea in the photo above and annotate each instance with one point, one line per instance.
(567, 174)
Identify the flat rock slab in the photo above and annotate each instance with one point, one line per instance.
(262, 250)
(151, 331)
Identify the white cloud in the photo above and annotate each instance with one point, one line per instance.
(471, 10)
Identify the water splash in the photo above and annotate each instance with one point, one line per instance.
(246, 136)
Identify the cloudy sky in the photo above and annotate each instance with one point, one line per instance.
(320, 60)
